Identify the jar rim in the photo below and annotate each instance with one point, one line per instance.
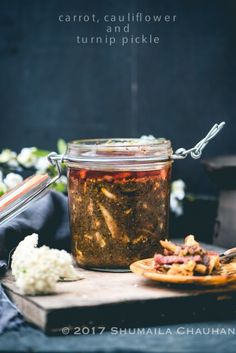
(115, 149)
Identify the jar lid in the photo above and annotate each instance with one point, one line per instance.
(118, 150)
(18, 199)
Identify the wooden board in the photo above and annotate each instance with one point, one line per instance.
(120, 300)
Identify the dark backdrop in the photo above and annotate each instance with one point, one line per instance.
(50, 87)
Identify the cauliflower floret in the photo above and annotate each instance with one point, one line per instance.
(37, 270)
(23, 249)
(63, 262)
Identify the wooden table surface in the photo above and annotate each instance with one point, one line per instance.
(174, 332)
(123, 299)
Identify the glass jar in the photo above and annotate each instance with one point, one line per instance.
(118, 200)
(118, 196)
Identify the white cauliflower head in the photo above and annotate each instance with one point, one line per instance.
(36, 270)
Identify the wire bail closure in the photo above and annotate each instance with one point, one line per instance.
(181, 153)
(56, 162)
(196, 151)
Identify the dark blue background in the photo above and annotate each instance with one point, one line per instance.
(51, 87)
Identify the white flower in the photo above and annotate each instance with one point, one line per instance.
(13, 163)
(178, 189)
(12, 180)
(147, 137)
(8, 156)
(176, 197)
(36, 270)
(27, 157)
(63, 180)
(42, 164)
(176, 205)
